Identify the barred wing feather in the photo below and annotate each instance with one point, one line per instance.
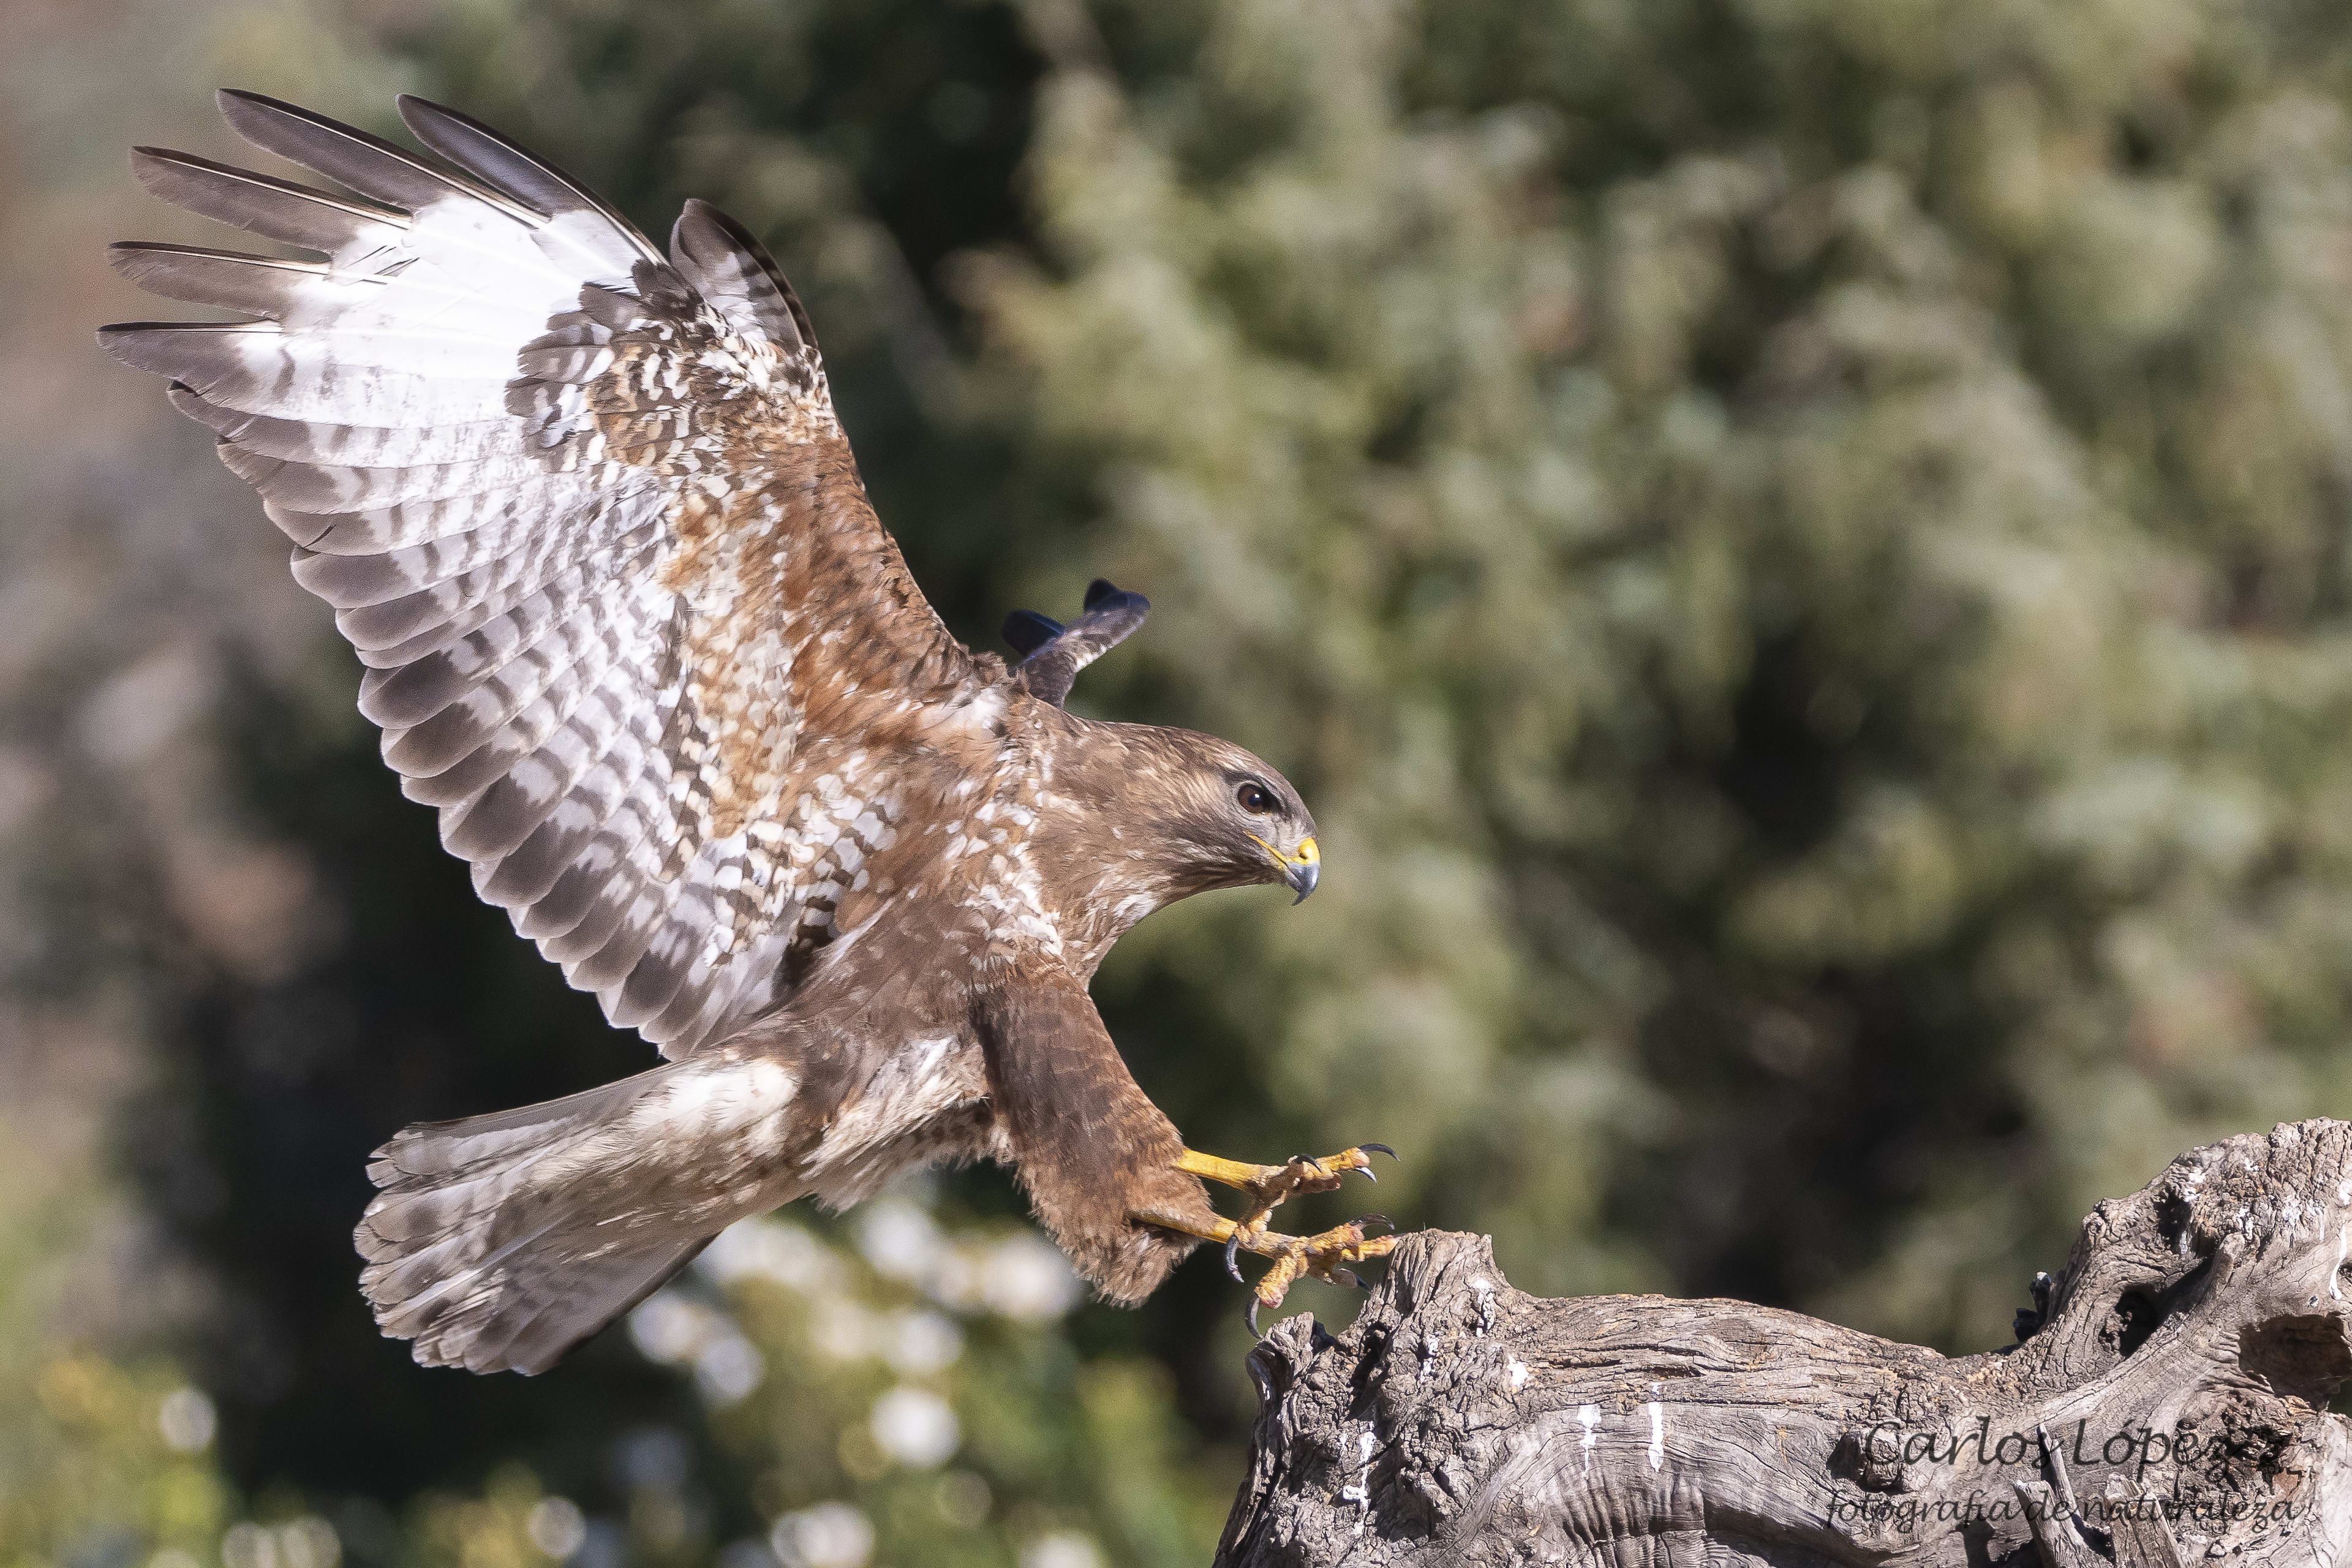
(586, 514)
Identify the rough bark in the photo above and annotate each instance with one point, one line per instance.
(2169, 1408)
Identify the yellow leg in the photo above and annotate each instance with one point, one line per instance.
(1218, 1228)
(1269, 1185)
(1213, 1168)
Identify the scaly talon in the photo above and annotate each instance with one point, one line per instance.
(1323, 1255)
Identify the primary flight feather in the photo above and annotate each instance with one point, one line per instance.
(586, 514)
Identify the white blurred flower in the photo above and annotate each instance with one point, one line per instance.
(1062, 1549)
(671, 1330)
(915, 1427)
(188, 1420)
(830, 1535)
(842, 1328)
(308, 1542)
(728, 1367)
(248, 1545)
(557, 1527)
(921, 1342)
(955, 1279)
(765, 1248)
(898, 1239)
(1026, 1276)
(667, 1327)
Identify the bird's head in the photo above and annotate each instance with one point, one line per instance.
(1220, 817)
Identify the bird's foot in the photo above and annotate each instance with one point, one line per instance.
(1324, 1255)
(1270, 1186)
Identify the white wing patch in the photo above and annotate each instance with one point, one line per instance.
(586, 514)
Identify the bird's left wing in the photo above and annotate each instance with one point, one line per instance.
(585, 511)
(1053, 654)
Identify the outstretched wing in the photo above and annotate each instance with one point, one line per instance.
(587, 515)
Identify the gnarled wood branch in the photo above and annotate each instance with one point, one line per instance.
(2169, 1408)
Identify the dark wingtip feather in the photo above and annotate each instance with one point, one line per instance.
(280, 209)
(501, 161)
(1027, 631)
(367, 163)
(160, 346)
(225, 279)
(243, 108)
(1101, 594)
(116, 340)
(239, 102)
(1111, 613)
(488, 156)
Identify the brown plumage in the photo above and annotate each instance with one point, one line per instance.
(586, 514)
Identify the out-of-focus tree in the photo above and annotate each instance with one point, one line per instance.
(1798, 550)
(98, 1459)
(1797, 547)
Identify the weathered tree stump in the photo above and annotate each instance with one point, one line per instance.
(2169, 1407)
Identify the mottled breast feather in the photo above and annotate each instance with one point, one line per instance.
(586, 514)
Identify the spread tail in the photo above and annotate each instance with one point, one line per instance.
(500, 1242)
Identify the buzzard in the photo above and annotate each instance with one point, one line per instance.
(587, 514)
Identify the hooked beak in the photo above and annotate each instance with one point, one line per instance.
(1302, 868)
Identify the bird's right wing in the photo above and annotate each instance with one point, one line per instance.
(585, 511)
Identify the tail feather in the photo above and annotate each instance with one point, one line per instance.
(435, 1176)
(500, 1242)
(542, 1320)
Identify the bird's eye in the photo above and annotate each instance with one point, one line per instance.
(1255, 800)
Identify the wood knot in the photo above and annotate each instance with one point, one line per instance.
(1872, 1459)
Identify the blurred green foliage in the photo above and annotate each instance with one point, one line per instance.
(99, 1458)
(1797, 547)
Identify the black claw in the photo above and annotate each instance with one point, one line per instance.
(1250, 1317)
(1363, 1220)
(1366, 1170)
(1232, 1252)
(1378, 1149)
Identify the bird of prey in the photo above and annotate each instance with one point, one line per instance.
(587, 514)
